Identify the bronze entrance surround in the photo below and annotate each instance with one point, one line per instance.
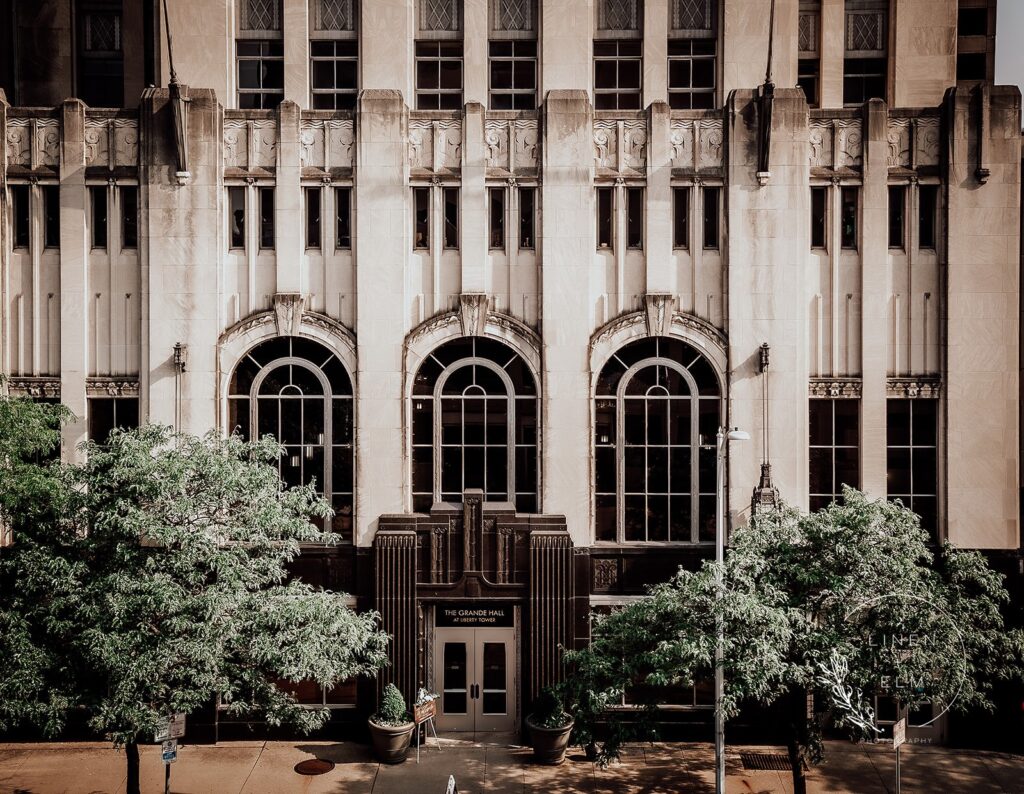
(477, 552)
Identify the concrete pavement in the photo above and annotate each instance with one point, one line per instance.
(495, 767)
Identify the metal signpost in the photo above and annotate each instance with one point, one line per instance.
(167, 733)
(899, 736)
(425, 713)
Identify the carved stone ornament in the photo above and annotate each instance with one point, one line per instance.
(659, 309)
(34, 387)
(473, 313)
(288, 307)
(834, 387)
(111, 387)
(914, 388)
(606, 574)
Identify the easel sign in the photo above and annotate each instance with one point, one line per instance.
(452, 786)
(425, 712)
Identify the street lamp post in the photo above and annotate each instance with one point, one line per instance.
(724, 435)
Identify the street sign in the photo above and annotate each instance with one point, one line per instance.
(899, 733)
(452, 788)
(169, 751)
(172, 727)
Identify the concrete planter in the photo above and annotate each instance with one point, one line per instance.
(549, 744)
(391, 742)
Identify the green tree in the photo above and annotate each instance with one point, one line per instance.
(156, 582)
(843, 604)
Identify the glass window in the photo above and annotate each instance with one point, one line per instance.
(850, 197)
(972, 22)
(98, 216)
(712, 201)
(834, 449)
(605, 216)
(474, 425)
(513, 73)
(912, 468)
(618, 74)
(438, 75)
(266, 217)
(928, 211)
(100, 74)
(236, 216)
(808, 75)
(864, 79)
(654, 478)
(343, 210)
(421, 219)
(335, 73)
(450, 196)
(20, 214)
(897, 203)
(635, 217)
(300, 393)
(496, 217)
(819, 216)
(107, 413)
(312, 217)
(260, 72)
(51, 219)
(691, 73)
(681, 217)
(129, 216)
(971, 66)
(527, 212)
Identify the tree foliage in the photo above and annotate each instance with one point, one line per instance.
(153, 581)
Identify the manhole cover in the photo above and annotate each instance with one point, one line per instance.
(765, 761)
(314, 766)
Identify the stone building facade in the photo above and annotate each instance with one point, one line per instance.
(496, 271)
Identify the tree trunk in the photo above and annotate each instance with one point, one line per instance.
(131, 750)
(798, 739)
(796, 763)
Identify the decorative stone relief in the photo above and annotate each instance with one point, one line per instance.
(820, 140)
(898, 138)
(912, 388)
(19, 147)
(473, 313)
(421, 145)
(496, 144)
(341, 138)
(834, 387)
(126, 142)
(111, 387)
(605, 144)
(659, 309)
(96, 142)
(926, 141)
(34, 387)
(526, 133)
(606, 574)
(710, 144)
(311, 144)
(288, 308)
(850, 144)
(634, 144)
(264, 144)
(236, 144)
(450, 136)
(48, 141)
(681, 140)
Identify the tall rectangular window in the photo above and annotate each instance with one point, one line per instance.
(100, 73)
(421, 217)
(834, 449)
(98, 216)
(513, 74)
(928, 214)
(451, 217)
(912, 468)
(850, 196)
(680, 217)
(897, 203)
(819, 216)
(335, 73)
(236, 216)
(51, 216)
(312, 217)
(605, 216)
(527, 215)
(267, 217)
(260, 72)
(692, 54)
(129, 216)
(635, 217)
(712, 201)
(20, 214)
(618, 69)
(865, 68)
(496, 217)
(809, 50)
(343, 212)
(438, 75)
(107, 413)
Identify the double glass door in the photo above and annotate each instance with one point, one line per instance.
(474, 673)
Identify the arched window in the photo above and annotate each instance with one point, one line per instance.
(657, 409)
(474, 425)
(299, 392)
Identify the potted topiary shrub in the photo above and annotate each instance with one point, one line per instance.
(391, 727)
(550, 727)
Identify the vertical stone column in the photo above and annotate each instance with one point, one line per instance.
(876, 280)
(296, 51)
(382, 222)
(655, 28)
(288, 221)
(181, 240)
(833, 52)
(768, 257)
(744, 44)
(658, 215)
(472, 201)
(566, 44)
(981, 309)
(475, 29)
(568, 235)
(395, 582)
(74, 276)
(387, 30)
(551, 623)
(923, 51)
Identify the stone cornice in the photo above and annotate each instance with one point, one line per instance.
(834, 387)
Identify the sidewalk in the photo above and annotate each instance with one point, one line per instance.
(267, 768)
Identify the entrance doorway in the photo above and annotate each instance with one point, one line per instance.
(475, 677)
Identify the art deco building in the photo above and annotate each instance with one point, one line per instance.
(497, 271)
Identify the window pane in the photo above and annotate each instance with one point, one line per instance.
(496, 196)
(711, 210)
(421, 201)
(98, 197)
(451, 217)
(343, 208)
(129, 216)
(526, 217)
(236, 208)
(266, 217)
(681, 217)
(896, 203)
(849, 217)
(604, 217)
(818, 220)
(635, 217)
(51, 226)
(312, 217)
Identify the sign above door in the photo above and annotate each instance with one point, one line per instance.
(475, 614)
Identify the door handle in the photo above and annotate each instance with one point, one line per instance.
(475, 691)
